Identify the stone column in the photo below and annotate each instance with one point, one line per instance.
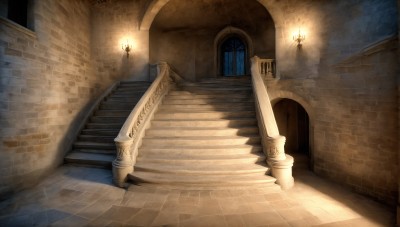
(123, 164)
(280, 163)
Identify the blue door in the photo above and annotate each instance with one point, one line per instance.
(233, 57)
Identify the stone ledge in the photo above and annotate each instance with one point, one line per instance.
(20, 28)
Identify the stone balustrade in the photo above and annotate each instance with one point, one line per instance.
(273, 143)
(267, 68)
(131, 133)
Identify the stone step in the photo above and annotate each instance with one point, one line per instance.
(134, 88)
(90, 159)
(203, 168)
(200, 141)
(217, 84)
(124, 99)
(137, 95)
(120, 102)
(208, 96)
(104, 126)
(135, 83)
(201, 180)
(213, 159)
(196, 131)
(200, 88)
(117, 106)
(228, 82)
(112, 113)
(232, 122)
(189, 115)
(96, 151)
(101, 119)
(129, 91)
(209, 107)
(96, 138)
(210, 92)
(208, 101)
(100, 132)
(194, 151)
(94, 145)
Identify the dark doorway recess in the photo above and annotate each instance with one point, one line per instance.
(293, 122)
(233, 57)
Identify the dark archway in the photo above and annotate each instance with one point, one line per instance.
(233, 55)
(294, 123)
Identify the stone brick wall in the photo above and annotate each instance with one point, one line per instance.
(346, 73)
(46, 85)
(114, 22)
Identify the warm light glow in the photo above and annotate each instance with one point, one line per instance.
(127, 45)
(299, 36)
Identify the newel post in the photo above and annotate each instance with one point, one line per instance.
(123, 164)
(273, 143)
(280, 163)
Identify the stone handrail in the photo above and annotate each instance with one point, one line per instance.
(131, 133)
(273, 143)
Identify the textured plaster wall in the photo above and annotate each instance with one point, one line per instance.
(345, 75)
(46, 84)
(113, 23)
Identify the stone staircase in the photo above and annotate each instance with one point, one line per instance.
(204, 134)
(95, 145)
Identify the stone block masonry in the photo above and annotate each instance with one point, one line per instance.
(47, 82)
(352, 98)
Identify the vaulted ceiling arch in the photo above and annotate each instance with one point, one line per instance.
(154, 6)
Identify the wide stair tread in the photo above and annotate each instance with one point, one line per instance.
(207, 158)
(204, 134)
(201, 131)
(196, 150)
(231, 122)
(202, 168)
(201, 180)
(90, 159)
(94, 145)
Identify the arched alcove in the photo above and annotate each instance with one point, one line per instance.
(187, 34)
(294, 123)
(224, 35)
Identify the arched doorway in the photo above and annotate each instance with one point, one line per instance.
(233, 55)
(294, 123)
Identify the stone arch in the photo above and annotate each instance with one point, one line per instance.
(154, 7)
(222, 35)
(275, 97)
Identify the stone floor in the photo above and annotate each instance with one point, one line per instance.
(78, 196)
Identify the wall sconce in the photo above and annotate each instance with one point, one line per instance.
(299, 38)
(127, 48)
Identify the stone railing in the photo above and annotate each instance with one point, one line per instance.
(131, 133)
(273, 143)
(267, 68)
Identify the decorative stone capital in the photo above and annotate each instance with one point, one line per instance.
(276, 148)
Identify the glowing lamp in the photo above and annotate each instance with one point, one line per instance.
(299, 38)
(127, 47)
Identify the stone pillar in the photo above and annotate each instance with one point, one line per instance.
(123, 164)
(280, 163)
